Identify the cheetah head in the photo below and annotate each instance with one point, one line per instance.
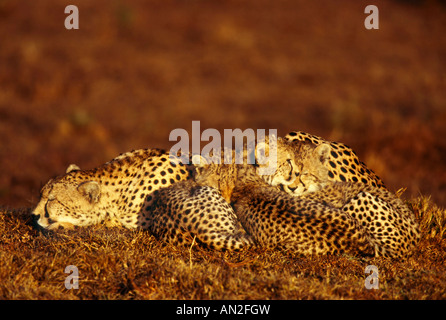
(222, 177)
(281, 158)
(311, 168)
(68, 201)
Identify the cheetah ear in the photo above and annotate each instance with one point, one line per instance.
(199, 160)
(322, 152)
(90, 190)
(72, 167)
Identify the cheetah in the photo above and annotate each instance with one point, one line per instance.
(393, 228)
(120, 192)
(277, 220)
(340, 163)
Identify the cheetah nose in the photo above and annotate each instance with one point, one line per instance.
(35, 217)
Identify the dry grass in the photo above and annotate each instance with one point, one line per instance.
(116, 263)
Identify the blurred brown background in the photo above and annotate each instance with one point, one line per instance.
(136, 70)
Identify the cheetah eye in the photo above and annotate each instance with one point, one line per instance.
(51, 197)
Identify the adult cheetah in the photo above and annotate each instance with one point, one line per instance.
(119, 192)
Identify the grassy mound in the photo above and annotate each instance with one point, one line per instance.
(115, 263)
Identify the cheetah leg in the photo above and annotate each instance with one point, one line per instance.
(386, 230)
